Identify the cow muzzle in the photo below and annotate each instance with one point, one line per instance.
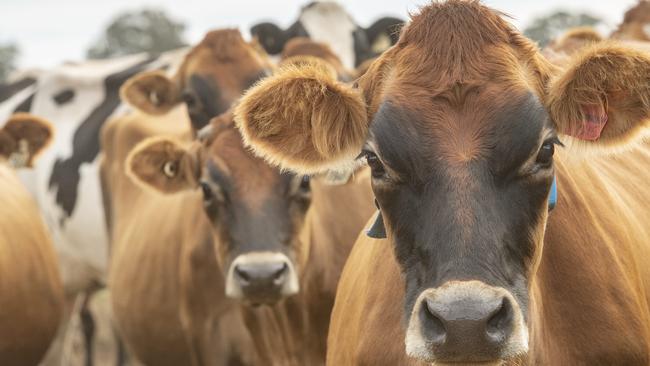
(261, 278)
(466, 322)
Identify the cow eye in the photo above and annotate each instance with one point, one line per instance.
(208, 193)
(545, 154)
(376, 166)
(304, 183)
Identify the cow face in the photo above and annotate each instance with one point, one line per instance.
(256, 211)
(210, 79)
(458, 123)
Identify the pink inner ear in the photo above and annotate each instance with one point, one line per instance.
(593, 125)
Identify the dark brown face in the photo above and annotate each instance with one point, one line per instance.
(216, 72)
(257, 213)
(462, 179)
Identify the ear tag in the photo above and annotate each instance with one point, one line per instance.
(20, 158)
(377, 230)
(552, 198)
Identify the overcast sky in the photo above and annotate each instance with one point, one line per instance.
(51, 31)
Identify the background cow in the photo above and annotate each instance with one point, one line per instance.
(31, 293)
(459, 122)
(329, 22)
(173, 310)
(77, 98)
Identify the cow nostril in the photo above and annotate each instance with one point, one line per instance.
(278, 275)
(498, 325)
(433, 327)
(243, 275)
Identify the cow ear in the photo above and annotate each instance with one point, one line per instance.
(164, 165)
(303, 119)
(603, 95)
(151, 92)
(23, 137)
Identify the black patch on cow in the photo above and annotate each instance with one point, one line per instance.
(25, 105)
(9, 90)
(63, 96)
(362, 49)
(85, 144)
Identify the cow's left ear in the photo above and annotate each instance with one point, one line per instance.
(603, 95)
(165, 165)
(23, 137)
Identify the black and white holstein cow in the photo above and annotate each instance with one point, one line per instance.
(330, 23)
(77, 98)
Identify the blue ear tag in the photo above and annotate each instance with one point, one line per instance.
(378, 231)
(552, 198)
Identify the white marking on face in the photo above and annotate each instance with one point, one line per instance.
(646, 29)
(291, 285)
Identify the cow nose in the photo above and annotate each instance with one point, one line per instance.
(261, 278)
(467, 328)
(262, 275)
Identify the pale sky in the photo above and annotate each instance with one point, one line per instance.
(52, 31)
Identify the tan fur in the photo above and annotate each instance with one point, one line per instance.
(146, 165)
(151, 92)
(31, 292)
(36, 131)
(304, 136)
(607, 75)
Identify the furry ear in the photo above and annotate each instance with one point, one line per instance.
(23, 137)
(164, 165)
(303, 119)
(602, 95)
(151, 92)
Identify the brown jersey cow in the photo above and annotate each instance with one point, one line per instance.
(263, 240)
(459, 123)
(167, 295)
(31, 292)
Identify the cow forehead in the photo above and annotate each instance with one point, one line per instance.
(465, 125)
(249, 177)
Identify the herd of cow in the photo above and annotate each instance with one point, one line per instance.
(439, 193)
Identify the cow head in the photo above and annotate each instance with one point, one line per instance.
(22, 138)
(210, 78)
(255, 210)
(329, 22)
(636, 23)
(458, 122)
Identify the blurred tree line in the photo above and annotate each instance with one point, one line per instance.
(153, 31)
(545, 28)
(147, 30)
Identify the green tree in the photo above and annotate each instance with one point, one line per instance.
(545, 28)
(8, 55)
(147, 30)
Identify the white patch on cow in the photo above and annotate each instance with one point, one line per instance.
(328, 22)
(290, 287)
(646, 29)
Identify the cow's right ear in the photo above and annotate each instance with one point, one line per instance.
(151, 92)
(303, 119)
(164, 165)
(23, 137)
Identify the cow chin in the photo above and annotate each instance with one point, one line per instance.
(467, 323)
(261, 278)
